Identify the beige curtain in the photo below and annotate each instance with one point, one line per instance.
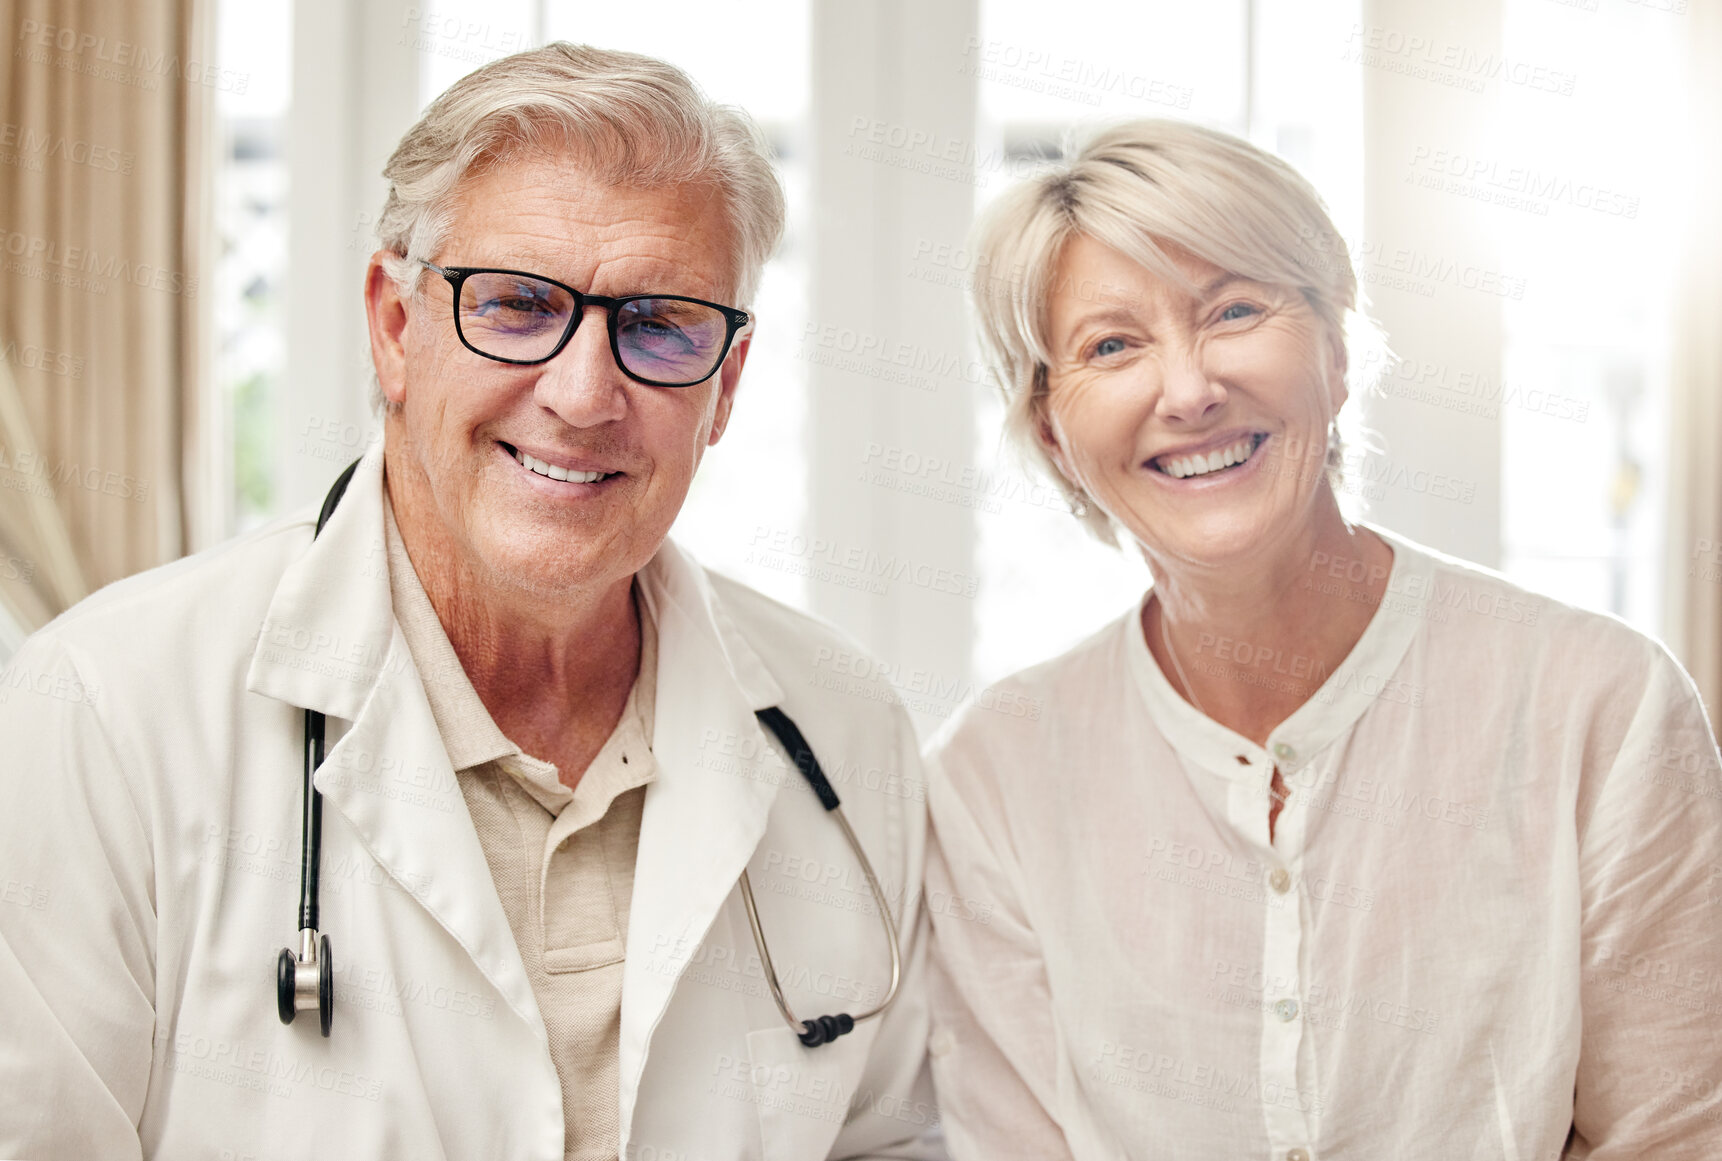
(105, 108)
(1694, 592)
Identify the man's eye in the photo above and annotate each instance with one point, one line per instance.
(1107, 347)
(523, 305)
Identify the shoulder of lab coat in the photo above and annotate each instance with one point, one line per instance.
(894, 1114)
(75, 1057)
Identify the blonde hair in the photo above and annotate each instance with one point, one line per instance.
(1140, 188)
(630, 120)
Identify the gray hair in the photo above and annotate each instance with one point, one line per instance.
(1140, 188)
(631, 120)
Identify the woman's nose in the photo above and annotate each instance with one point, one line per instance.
(1188, 392)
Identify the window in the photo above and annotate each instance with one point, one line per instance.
(1583, 399)
(251, 256)
(1581, 411)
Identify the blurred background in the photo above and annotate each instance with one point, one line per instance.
(1529, 188)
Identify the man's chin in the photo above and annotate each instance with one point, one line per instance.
(552, 569)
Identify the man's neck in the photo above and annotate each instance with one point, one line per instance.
(553, 670)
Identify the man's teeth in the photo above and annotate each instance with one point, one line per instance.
(554, 472)
(1180, 467)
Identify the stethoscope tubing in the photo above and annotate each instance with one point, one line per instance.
(311, 841)
(884, 917)
(823, 1029)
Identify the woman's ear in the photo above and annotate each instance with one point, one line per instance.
(1339, 362)
(1046, 434)
(1046, 430)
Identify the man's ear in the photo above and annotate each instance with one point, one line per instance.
(728, 376)
(386, 317)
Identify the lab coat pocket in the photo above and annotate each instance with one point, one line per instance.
(802, 1094)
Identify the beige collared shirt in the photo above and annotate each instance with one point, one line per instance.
(563, 860)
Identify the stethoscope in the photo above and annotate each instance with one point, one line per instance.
(306, 981)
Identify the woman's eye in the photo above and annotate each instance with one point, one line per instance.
(1236, 311)
(1107, 347)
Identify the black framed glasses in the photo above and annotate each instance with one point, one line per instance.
(661, 340)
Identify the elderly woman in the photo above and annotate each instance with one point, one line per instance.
(1333, 846)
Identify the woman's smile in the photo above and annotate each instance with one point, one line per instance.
(1212, 460)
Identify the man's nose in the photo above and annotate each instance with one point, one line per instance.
(582, 384)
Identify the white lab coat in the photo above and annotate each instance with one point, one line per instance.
(149, 874)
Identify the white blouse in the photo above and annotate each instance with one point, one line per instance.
(1489, 924)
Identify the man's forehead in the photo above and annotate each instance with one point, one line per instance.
(564, 193)
(554, 208)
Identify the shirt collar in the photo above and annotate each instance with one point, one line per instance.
(1367, 675)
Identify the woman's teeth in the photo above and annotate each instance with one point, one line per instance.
(554, 472)
(1181, 467)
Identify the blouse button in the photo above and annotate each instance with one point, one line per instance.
(1286, 1010)
(1279, 879)
(1284, 752)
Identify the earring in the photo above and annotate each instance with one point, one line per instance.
(1078, 505)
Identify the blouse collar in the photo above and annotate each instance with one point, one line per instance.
(1369, 674)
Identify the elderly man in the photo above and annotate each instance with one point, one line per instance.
(569, 881)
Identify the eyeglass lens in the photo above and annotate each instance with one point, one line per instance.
(511, 316)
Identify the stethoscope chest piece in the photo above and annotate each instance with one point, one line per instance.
(306, 982)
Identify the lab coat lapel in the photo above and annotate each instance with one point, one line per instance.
(701, 824)
(390, 777)
(330, 625)
(330, 643)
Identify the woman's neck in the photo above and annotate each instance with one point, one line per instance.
(1247, 646)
